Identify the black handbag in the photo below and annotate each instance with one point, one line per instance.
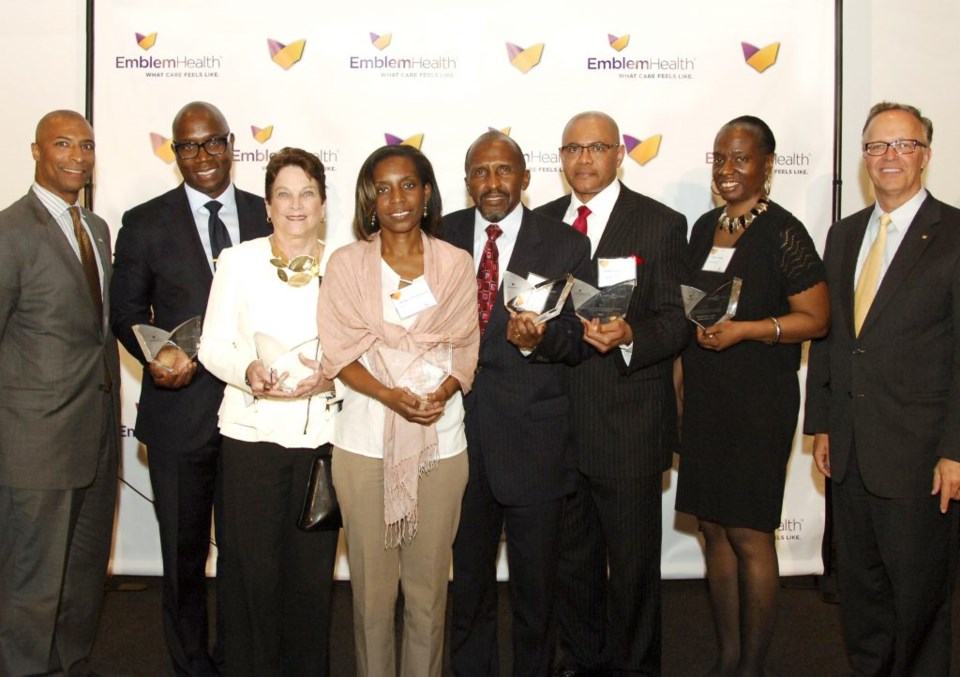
(321, 510)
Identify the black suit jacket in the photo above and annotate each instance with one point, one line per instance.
(894, 391)
(518, 413)
(625, 415)
(161, 275)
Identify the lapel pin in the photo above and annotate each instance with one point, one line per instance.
(923, 237)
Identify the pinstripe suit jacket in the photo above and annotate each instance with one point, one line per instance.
(52, 352)
(518, 413)
(625, 418)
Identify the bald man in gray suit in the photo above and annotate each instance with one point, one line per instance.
(59, 431)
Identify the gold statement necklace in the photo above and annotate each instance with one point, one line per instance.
(299, 271)
(742, 222)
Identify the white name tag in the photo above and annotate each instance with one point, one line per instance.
(413, 298)
(615, 271)
(718, 259)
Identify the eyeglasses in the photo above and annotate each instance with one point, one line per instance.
(191, 149)
(595, 148)
(902, 146)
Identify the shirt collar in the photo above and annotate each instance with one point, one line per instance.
(601, 204)
(198, 200)
(55, 204)
(902, 216)
(510, 225)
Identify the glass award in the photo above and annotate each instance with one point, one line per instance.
(421, 372)
(185, 336)
(545, 298)
(282, 359)
(606, 304)
(707, 309)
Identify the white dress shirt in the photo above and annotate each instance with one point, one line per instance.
(601, 206)
(60, 211)
(201, 216)
(900, 220)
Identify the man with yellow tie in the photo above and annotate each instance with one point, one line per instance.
(883, 402)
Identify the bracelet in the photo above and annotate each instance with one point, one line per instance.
(777, 328)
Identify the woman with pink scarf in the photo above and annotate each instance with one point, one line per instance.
(397, 318)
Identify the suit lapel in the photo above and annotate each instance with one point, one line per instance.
(246, 215)
(920, 235)
(618, 229)
(102, 243)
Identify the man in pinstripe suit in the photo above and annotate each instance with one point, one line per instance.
(624, 414)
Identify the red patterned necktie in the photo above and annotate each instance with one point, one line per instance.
(488, 275)
(583, 211)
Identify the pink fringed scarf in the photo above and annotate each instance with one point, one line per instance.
(350, 324)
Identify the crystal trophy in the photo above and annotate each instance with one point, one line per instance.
(280, 359)
(421, 372)
(606, 304)
(545, 298)
(152, 340)
(707, 309)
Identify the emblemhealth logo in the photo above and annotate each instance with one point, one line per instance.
(642, 152)
(381, 42)
(162, 148)
(524, 59)
(261, 135)
(402, 66)
(790, 163)
(619, 43)
(760, 58)
(416, 140)
(652, 67)
(146, 41)
(286, 55)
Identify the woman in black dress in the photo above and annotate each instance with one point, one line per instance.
(741, 395)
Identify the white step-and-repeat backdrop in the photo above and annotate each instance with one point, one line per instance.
(341, 80)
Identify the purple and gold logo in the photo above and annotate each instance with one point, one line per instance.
(286, 55)
(760, 58)
(381, 42)
(162, 148)
(262, 135)
(524, 58)
(146, 41)
(416, 140)
(643, 151)
(619, 44)
(502, 130)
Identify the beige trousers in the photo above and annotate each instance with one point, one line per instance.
(422, 567)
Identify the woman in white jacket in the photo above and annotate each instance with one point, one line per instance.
(275, 421)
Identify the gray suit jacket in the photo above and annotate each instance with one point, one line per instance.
(52, 352)
(894, 391)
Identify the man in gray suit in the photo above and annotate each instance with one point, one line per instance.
(623, 411)
(883, 401)
(59, 431)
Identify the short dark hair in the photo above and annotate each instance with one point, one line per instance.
(295, 157)
(366, 196)
(494, 135)
(760, 129)
(884, 106)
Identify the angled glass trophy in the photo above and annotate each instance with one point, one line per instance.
(281, 359)
(707, 309)
(605, 304)
(421, 372)
(185, 336)
(545, 298)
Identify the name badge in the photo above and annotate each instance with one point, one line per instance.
(615, 271)
(718, 259)
(413, 298)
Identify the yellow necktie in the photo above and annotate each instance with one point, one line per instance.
(870, 275)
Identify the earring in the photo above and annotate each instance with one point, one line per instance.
(373, 219)
(424, 210)
(768, 184)
(713, 187)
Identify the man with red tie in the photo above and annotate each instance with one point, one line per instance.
(624, 412)
(517, 418)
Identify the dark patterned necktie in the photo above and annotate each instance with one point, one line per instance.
(89, 262)
(583, 211)
(219, 237)
(488, 275)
